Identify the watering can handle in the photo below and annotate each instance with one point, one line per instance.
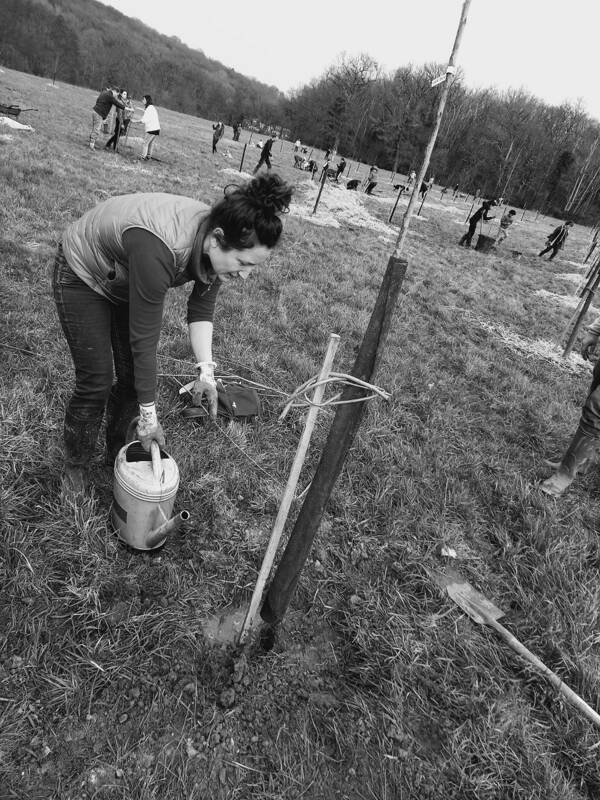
(157, 467)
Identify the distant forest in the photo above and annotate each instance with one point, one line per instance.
(508, 144)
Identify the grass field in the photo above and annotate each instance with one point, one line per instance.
(116, 677)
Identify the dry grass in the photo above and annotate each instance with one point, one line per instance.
(377, 687)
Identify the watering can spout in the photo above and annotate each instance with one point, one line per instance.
(156, 536)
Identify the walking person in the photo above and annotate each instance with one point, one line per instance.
(265, 155)
(480, 215)
(104, 102)
(556, 240)
(505, 223)
(340, 168)
(151, 127)
(218, 131)
(111, 274)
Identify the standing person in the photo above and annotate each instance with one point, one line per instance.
(104, 102)
(556, 240)
(128, 113)
(236, 131)
(411, 179)
(265, 155)
(371, 180)
(340, 168)
(218, 131)
(111, 274)
(151, 127)
(423, 190)
(114, 139)
(430, 183)
(297, 145)
(480, 214)
(505, 223)
(585, 444)
(455, 191)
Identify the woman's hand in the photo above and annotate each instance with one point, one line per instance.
(588, 345)
(206, 385)
(149, 428)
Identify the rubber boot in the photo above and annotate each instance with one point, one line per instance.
(581, 450)
(80, 436)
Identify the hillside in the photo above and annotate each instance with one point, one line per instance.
(89, 44)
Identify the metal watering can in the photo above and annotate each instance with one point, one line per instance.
(144, 489)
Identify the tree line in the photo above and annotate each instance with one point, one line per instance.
(508, 144)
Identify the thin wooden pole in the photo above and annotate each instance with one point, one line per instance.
(290, 489)
(243, 154)
(393, 211)
(587, 296)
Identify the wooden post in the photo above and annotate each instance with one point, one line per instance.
(587, 295)
(393, 211)
(323, 179)
(421, 206)
(348, 415)
(469, 214)
(243, 154)
(288, 494)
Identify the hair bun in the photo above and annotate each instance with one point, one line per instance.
(269, 194)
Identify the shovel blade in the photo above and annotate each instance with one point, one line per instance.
(477, 606)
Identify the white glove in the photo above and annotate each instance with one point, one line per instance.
(149, 428)
(205, 384)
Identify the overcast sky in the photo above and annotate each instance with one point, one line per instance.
(545, 46)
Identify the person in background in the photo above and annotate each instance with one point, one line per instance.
(128, 113)
(265, 155)
(505, 222)
(104, 102)
(583, 448)
(556, 240)
(218, 131)
(114, 139)
(411, 179)
(455, 191)
(236, 131)
(480, 214)
(112, 271)
(340, 168)
(297, 145)
(151, 127)
(370, 181)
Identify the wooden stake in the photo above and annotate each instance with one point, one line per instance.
(348, 415)
(243, 154)
(289, 491)
(323, 179)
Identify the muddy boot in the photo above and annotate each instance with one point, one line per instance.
(80, 443)
(120, 411)
(581, 450)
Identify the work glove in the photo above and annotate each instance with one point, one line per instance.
(588, 345)
(149, 428)
(205, 384)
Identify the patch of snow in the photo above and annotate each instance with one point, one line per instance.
(12, 123)
(534, 348)
(575, 277)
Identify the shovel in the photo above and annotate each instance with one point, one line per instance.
(484, 612)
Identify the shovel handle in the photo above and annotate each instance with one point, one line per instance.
(565, 690)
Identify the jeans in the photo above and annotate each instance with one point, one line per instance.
(590, 415)
(149, 139)
(96, 127)
(466, 239)
(97, 332)
(547, 250)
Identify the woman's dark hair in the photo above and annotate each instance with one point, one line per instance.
(148, 99)
(249, 214)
